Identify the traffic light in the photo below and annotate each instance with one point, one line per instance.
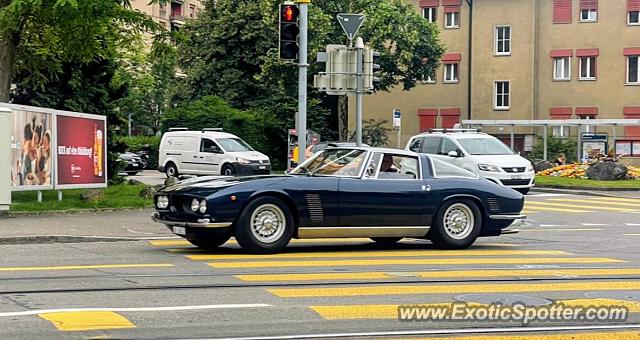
(371, 67)
(289, 31)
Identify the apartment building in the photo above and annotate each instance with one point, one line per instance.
(525, 59)
(170, 15)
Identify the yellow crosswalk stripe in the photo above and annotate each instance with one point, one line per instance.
(581, 206)
(381, 262)
(561, 229)
(528, 206)
(390, 311)
(630, 335)
(87, 321)
(439, 274)
(618, 199)
(452, 289)
(615, 203)
(397, 253)
(96, 266)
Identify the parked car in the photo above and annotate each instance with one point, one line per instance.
(383, 194)
(209, 152)
(478, 152)
(133, 163)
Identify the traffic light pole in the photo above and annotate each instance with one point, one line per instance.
(302, 80)
(359, 88)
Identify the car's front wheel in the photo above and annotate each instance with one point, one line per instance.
(228, 170)
(456, 225)
(265, 226)
(171, 170)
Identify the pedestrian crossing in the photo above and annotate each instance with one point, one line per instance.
(582, 204)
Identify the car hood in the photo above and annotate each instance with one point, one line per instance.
(502, 160)
(212, 183)
(250, 155)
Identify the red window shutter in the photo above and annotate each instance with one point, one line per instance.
(632, 51)
(588, 4)
(561, 53)
(632, 132)
(451, 58)
(588, 52)
(561, 11)
(451, 9)
(427, 119)
(560, 112)
(450, 117)
(452, 3)
(587, 111)
(633, 5)
(631, 112)
(429, 3)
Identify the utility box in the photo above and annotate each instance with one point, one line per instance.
(5, 158)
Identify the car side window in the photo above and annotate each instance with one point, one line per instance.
(416, 145)
(443, 169)
(372, 167)
(398, 167)
(447, 146)
(209, 146)
(431, 145)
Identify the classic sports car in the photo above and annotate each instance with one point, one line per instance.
(383, 194)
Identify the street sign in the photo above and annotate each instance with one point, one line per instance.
(397, 118)
(351, 24)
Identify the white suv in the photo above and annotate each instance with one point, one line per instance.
(479, 153)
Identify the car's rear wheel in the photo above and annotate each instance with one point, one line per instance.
(456, 225)
(171, 170)
(386, 240)
(265, 226)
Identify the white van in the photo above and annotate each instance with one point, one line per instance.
(209, 152)
(479, 153)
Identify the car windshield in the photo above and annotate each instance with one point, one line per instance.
(234, 145)
(484, 146)
(333, 162)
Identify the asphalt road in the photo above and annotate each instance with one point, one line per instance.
(577, 250)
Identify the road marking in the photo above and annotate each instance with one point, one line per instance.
(615, 199)
(94, 266)
(630, 234)
(581, 206)
(438, 274)
(87, 321)
(633, 224)
(562, 229)
(553, 225)
(617, 203)
(596, 225)
(348, 312)
(452, 289)
(133, 309)
(423, 262)
(398, 253)
(527, 206)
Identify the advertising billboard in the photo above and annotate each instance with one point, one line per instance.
(31, 150)
(81, 151)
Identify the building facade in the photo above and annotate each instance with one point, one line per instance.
(525, 59)
(170, 15)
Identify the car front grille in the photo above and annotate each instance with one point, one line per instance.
(514, 169)
(515, 181)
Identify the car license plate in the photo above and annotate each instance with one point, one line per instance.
(179, 230)
(262, 167)
(516, 177)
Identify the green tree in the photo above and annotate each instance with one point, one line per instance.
(40, 38)
(555, 146)
(374, 133)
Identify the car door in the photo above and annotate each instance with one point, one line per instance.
(449, 145)
(397, 200)
(188, 151)
(208, 157)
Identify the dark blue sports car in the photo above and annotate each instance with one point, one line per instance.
(383, 194)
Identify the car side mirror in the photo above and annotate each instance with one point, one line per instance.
(453, 154)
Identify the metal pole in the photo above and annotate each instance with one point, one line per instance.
(131, 114)
(359, 89)
(399, 135)
(302, 82)
(512, 133)
(580, 143)
(546, 156)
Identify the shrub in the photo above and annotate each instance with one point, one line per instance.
(555, 146)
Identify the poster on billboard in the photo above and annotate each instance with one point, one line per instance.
(32, 158)
(81, 151)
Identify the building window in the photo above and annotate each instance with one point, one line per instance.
(633, 71)
(163, 11)
(503, 40)
(451, 73)
(430, 14)
(562, 68)
(452, 20)
(560, 131)
(192, 11)
(588, 15)
(633, 18)
(587, 68)
(501, 95)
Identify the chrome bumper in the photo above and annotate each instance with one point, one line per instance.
(507, 217)
(204, 223)
(509, 231)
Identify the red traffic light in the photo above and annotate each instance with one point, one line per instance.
(289, 13)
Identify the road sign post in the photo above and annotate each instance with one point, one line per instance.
(397, 123)
(5, 155)
(302, 79)
(359, 89)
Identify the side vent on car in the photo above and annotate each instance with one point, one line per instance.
(316, 213)
(493, 204)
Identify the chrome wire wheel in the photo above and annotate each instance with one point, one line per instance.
(458, 221)
(268, 223)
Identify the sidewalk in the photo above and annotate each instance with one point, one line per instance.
(603, 193)
(104, 226)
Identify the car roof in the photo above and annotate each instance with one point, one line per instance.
(456, 135)
(209, 134)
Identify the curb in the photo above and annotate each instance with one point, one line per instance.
(582, 191)
(9, 214)
(49, 239)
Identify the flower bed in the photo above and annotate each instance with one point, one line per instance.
(578, 170)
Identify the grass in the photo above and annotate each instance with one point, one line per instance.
(551, 181)
(119, 196)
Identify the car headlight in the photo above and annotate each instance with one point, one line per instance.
(488, 167)
(242, 160)
(162, 202)
(530, 168)
(195, 205)
(202, 207)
